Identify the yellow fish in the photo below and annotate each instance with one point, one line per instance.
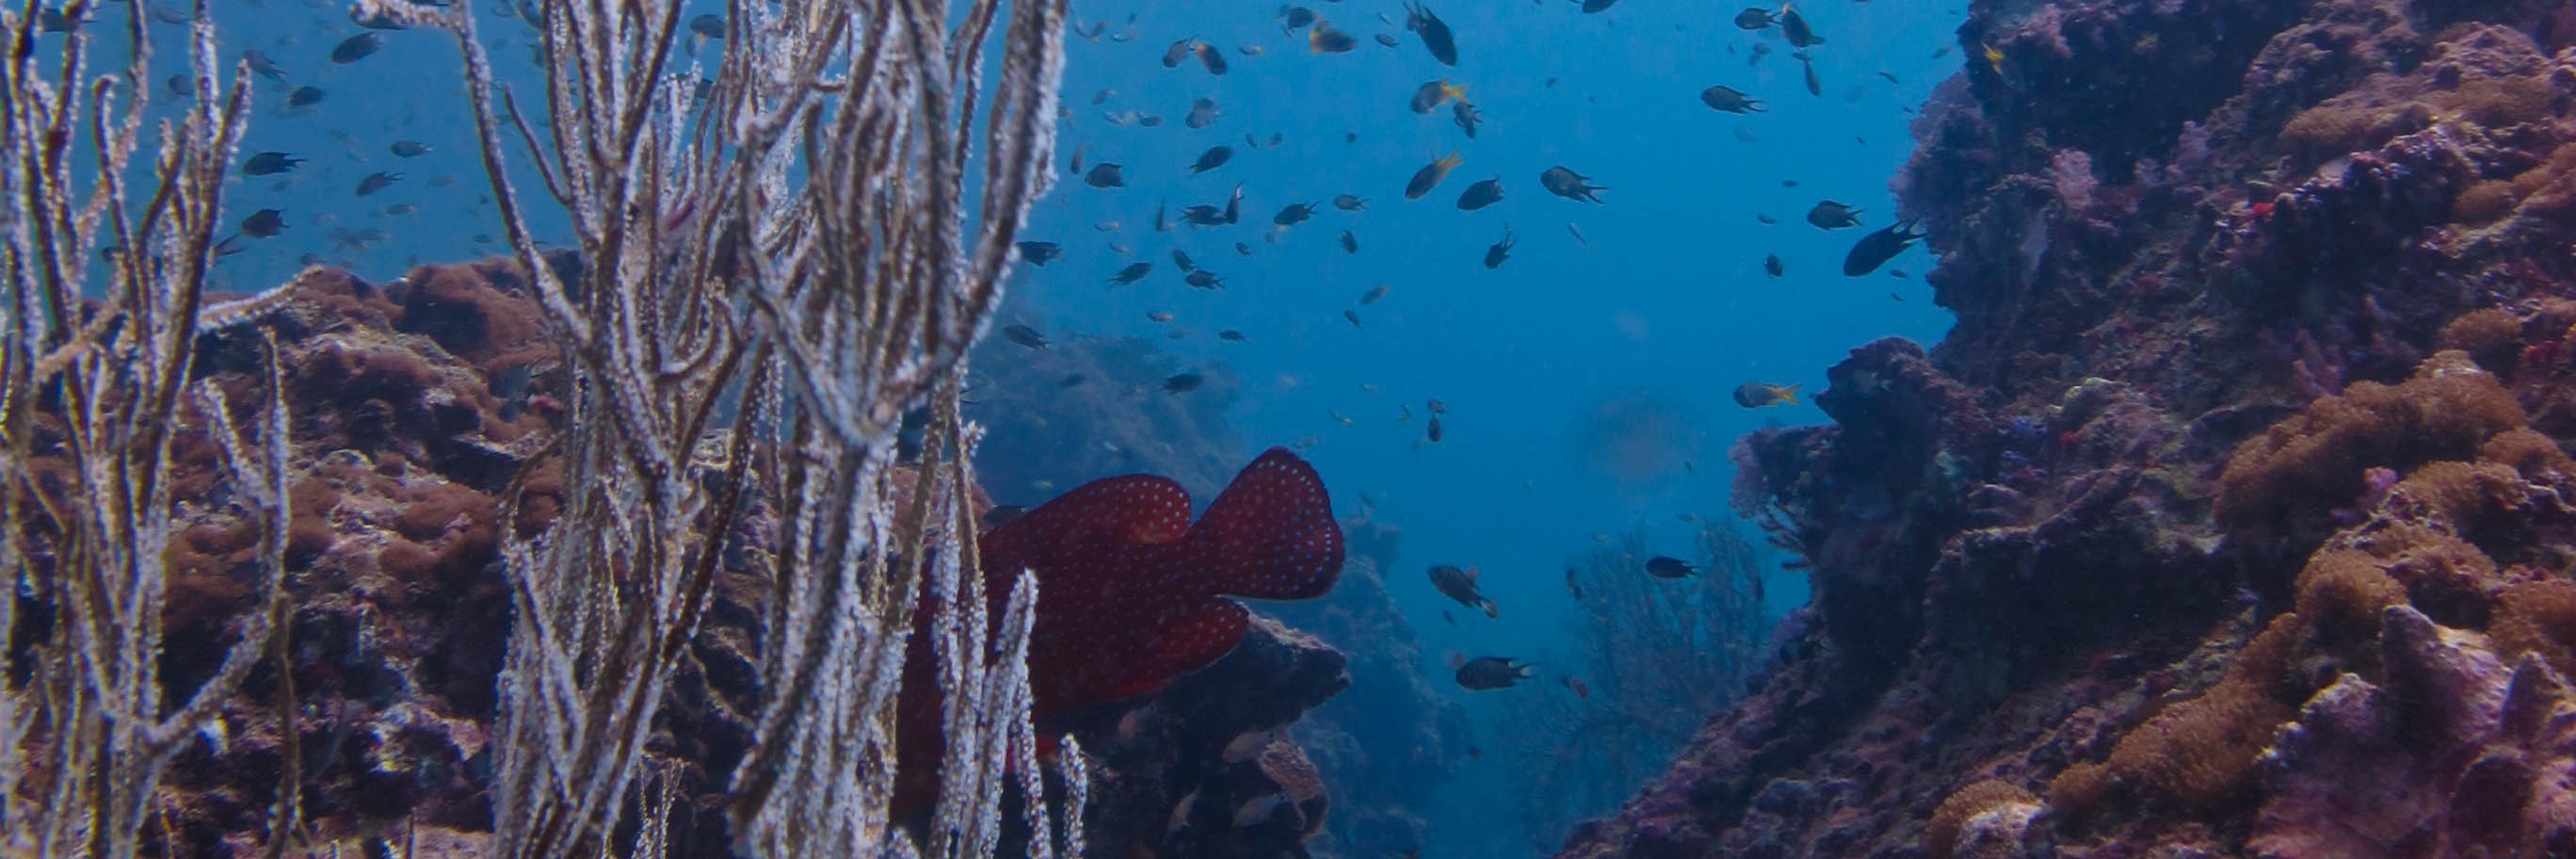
(1994, 58)
(1754, 395)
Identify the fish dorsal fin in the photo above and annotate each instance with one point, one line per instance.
(1472, 574)
(1270, 534)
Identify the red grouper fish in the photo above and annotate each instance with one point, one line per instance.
(1130, 595)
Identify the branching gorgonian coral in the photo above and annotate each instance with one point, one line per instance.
(800, 238)
(105, 298)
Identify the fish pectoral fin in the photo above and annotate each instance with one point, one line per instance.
(1185, 645)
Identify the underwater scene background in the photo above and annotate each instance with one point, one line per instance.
(2080, 428)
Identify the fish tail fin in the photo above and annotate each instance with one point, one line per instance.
(1790, 394)
(1492, 610)
(1451, 160)
(1453, 90)
(1270, 534)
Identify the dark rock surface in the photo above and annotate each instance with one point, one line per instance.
(2190, 531)
(1206, 768)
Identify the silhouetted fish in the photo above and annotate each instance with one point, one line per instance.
(1038, 253)
(1025, 336)
(1668, 567)
(1460, 585)
(1435, 34)
(1430, 175)
(1793, 27)
(1484, 193)
(1324, 39)
(267, 163)
(1877, 248)
(1569, 184)
(1830, 215)
(1213, 158)
(1729, 99)
(355, 48)
(1489, 672)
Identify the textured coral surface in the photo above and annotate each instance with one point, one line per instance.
(2234, 518)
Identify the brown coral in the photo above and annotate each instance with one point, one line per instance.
(2200, 754)
(2466, 495)
(2492, 337)
(2504, 88)
(2484, 203)
(2335, 127)
(2443, 575)
(2343, 591)
(2550, 187)
(2532, 454)
(2499, 102)
(2079, 792)
(2539, 618)
(2279, 486)
(1941, 832)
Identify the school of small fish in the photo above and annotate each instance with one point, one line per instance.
(1331, 30)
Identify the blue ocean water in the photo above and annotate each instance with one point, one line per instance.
(1586, 380)
(1587, 385)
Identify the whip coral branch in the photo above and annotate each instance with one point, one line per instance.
(95, 400)
(703, 267)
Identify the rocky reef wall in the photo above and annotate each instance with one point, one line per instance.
(2234, 516)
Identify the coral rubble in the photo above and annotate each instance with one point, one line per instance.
(2234, 517)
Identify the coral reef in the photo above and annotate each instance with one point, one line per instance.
(1971, 803)
(418, 403)
(2233, 517)
(1205, 768)
(1655, 656)
(1385, 744)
